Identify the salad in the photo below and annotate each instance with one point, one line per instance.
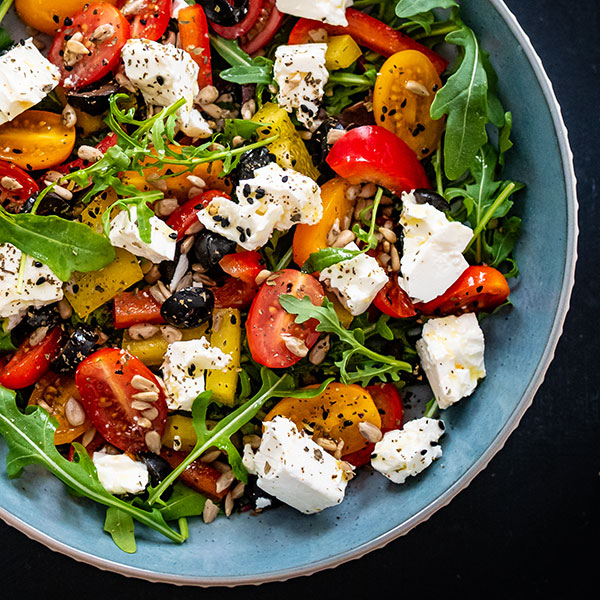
(234, 236)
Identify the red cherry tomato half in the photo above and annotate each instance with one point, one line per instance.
(131, 308)
(269, 325)
(75, 165)
(391, 409)
(187, 214)
(15, 184)
(479, 288)
(392, 300)
(152, 20)
(372, 153)
(30, 363)
(245, 265)
(264, 29)
(79, 70)
(244, 26)
(104, 380)
(193, 37)
(234, 293)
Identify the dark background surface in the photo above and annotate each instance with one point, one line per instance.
(528, 524)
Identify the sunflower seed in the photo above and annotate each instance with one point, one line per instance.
(153, 441)
(74, 412)
(133, 7)
(318, 35)
(224, 481)
(295, 345)
(102, 33)
(395, 262)
(37, 336)
(142, 331)
(139, 382)
(76, 47)
(368, 191)
(171, 334)
(89, 153)
(151, 413)
(148, 396)
(10, 183)
(370, 432)
(326, 444)
(344, 239)
(166, 207)
(145, 423)
(252, 440)
(238, 490)
(210, 456)
(388, 234)
(338, 450)
(88, 436)
(319, 351)
(64, 309)
(207, 95)
(139, 405)
(228, 504)
(263, 276)
(69, 116)
(248, 109)
(221, 466)
(63, 192)
(335, 135)
(212, 110)
(416, 88)
(196, 181)
(210, 512)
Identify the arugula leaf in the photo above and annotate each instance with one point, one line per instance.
(120, 526)
(239, 127)
(464, 99)
(504, 141)
(354, 339)
(504, 238)
(327, 257)
(342, 85)
(64, 246)
(30, 439)
(5, 39)
(6, 343)
(244, 69)
(410, 8)
(183, 502)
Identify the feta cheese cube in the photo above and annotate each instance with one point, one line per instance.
(26, 78)
(183, 370)
(298, 195)
(432, 260)
(356, 281)
(404, 453)
(124, 233)
(165, 74)
(249, 225)
(332, 12)
(120, 474)
(301, 74)
(451, 350)
(293, 468)
(39, 287)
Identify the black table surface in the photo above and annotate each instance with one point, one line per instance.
(528, 523)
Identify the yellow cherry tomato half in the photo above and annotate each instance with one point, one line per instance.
(404, 91)
(336, 207)
(48, 16)
(334, 414)
(36, 139)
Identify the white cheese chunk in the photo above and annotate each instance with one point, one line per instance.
(165, 74)
(356, 281)
(298, 195)
(183, 370)
(451, 350)
(404, 453)
(249, 225)
(432, 259)
(296, 470)
(39, 285)
(301, 75)
(332, 12)
(124, 233)
(120, 474)
(26, 78)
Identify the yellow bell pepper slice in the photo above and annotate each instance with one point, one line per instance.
(179, 433)
(227, 336)
(342, 51)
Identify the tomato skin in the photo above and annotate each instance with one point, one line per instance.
(234, 293)
(244, 26)
(391, 409)
(104, 383)
(392, 300)
(104, 56)
(370, 32)
(152, 21)
(479, 288)
(264, 28)
(372, 153)
(75, 165)
(36, 139)
(244, 265)
(187, 214)
(131, 308)
(193, 37)
(27, 183)
(268, 321)
(30, 363)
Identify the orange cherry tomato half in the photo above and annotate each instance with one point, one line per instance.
(104, 54)
(334, 414)
(104, 380)
(271, 330)
(404, 91)
(193, 36)
(36, 139)
(55, 391)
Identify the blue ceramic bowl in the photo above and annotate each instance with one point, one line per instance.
(281, 544)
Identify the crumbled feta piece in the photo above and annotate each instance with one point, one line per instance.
(332, 12)
(298, 195)
(356, 281)
(451, 350)
(124, 233)
(403, 453)
(183, 370)
(120, 474)
(296, 470)
(165, 74)
(26, 78)
(250, 225)
(432, 260)
(301, 74)
(40, 286)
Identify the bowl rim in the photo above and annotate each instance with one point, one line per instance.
(512, 423)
